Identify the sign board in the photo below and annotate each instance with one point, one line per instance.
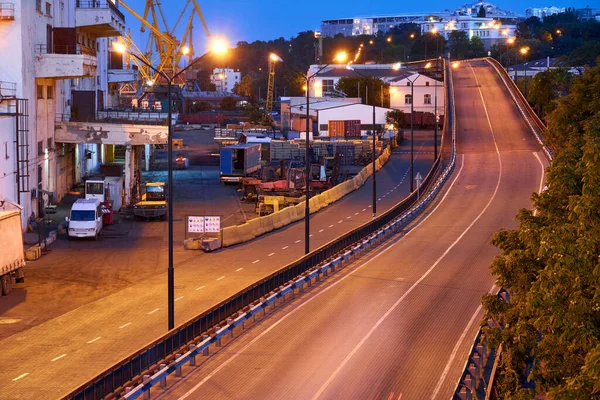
(212, 224)
(195, 224)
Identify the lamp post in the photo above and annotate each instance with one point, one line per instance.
(340, 57)
(523, 51)
(395, 67)
(218, 47)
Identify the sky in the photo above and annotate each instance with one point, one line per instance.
(250, 20)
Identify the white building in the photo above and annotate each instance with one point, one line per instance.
(225, 79)
(58, 69)
(334, 111)
(491, 31)
(423, 94)
(543, 12)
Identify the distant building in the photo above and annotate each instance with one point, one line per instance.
(491, 31)
(423, 95)
(587, 13)
(225, 79)
(543, 12)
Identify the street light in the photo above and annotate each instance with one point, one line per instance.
(218, 46)
(524, 50)
(395, 67)
(340, 57)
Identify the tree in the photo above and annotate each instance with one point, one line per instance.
(550, 264)
(228, 103)
(583, 56)
(458, 43)
(199, 106)
(481, 13)
(246, 87)
(361, 86)
(546, 87)
(396, 118)
(253, 113)
(476, 48)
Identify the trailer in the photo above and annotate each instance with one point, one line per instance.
(239, 161)
(12, 256)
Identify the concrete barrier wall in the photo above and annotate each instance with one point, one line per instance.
(233, 235)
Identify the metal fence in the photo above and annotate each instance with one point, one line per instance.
(132, 368)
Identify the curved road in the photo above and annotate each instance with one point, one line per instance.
(400, 323)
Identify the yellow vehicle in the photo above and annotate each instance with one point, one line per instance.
(153, 203)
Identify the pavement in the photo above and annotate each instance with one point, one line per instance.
(399, 323)
(88, 304)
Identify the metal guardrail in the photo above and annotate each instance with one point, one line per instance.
(148, 366)
(77, 49)
(99, 4)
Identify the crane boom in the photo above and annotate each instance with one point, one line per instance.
(270, 88)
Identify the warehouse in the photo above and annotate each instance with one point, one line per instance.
(350, 112)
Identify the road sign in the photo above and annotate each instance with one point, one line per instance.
(195, 224)
(212, 224)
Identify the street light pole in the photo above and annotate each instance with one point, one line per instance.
(374, 153)
(435, 121)
(307, 178)
(412, 132)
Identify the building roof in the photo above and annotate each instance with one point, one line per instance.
(387, 73)
(328, 105)
(538, 64)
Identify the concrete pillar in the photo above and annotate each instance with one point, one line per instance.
(147, 157)
(109, 153)
(129, 173)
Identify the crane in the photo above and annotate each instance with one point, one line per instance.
(163, 49)
(273, 59)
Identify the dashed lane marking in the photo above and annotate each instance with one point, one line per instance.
(239, 269)
(58, 358)
(321, 230)
(94, 340)
(284, 247)
(20, 376)
(201, 287)
(153, 311)
(348, 217)
(123, 326)
(355, 213)
(298, 241)
(270, 254)
(331, 226)
(364, 209)
(255, 261)
(222, 277)
(371, 205)
(179, 298)
(340, 221)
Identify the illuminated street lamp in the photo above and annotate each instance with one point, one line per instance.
(395, 67)
(340, 58)
(219, 47)
(389, 39)
(524, 50)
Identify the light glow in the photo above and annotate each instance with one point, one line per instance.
(219, 46)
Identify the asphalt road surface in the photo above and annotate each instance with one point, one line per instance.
(54, 357)
(399, 324)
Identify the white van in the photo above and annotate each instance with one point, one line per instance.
(86, 218)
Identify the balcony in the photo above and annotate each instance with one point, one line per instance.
(122, 75)
(7, 11)
(99, 18)
(65, 62)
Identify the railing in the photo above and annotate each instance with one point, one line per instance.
(7, 11)
(8, 90)
(99, 4)
(152, 359)
(65, 49)
(120, 117)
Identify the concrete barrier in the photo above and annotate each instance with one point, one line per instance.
(233, 235)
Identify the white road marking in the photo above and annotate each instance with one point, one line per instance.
(239, 269)
(455, 349)
(286, 316)
(58, 358)
(298, 241)
(94, 340)
(355, 213)
(179, 298)
(348, 217)
(310, 235)
(340, 221)
(201, 287)
(321, 230)
(364, 209)
(284, 247)
(20, 376)
(153, 311)
(379, 199)
(123, 326)
(370, 205)
(255, 261)
(222, 277)
(271, 254)
(331, 226)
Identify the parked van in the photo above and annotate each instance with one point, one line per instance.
(85, 219)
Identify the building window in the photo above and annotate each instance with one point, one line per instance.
(40, 91)
(427, 99)
(407, 83)
(49, 92)
(49, 144)
(407, 99)
(328, 86)
(38, 5)
(41, 148)
(426, 83)
(48, 9)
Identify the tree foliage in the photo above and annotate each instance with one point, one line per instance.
(551, 264)
(546, 87)
(362, 86)
(228, 103)
(396, 118)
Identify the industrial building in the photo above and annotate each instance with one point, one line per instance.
(225, 79)
(51, 95)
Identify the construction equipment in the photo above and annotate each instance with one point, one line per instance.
(162, 39)
(273, 59)
(153, 203)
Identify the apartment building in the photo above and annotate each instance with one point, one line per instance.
(225, 79)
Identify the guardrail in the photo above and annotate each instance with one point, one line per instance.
(473, 381)
(149, 366)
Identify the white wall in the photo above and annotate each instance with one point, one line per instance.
(399, 90)
(362, 112)
(228, 81)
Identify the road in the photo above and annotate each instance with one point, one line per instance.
(52, 358)
(399, 324)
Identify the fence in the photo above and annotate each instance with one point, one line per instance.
(152, 359)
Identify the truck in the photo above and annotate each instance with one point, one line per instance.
(153, 203)
(12, 256)
(239, 161)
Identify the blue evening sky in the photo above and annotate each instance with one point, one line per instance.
(249, 20)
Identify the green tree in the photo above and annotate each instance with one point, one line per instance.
(246, 87)
(362, 86)
(550, 263)
(583, 56)
(228, 103)
(546, 87)
(396, 118)
(458, 44)
(254, 114)
(476, 48)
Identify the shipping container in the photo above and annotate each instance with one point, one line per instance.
(239, 160)
(352, 129)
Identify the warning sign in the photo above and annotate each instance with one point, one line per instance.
(212, 224)
(196, 224)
